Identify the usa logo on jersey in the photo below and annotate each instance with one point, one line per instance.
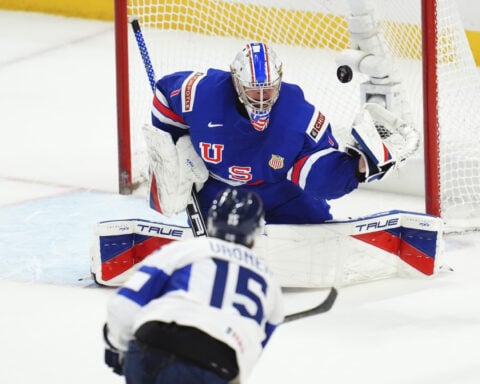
(276, 162)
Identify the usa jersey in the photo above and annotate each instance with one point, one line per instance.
(218, 287)
(295, 165)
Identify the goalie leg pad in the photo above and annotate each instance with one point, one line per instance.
(337, 253)
(341, 253)
(120, 245)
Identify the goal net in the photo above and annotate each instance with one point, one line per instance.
(309, 37)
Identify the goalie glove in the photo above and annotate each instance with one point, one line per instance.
(382, 139)
(173, 169)
(373, 170)
(401, 138)
(191, 164)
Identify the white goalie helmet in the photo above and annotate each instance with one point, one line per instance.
(257, 75)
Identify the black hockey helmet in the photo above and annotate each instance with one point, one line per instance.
(236, 215)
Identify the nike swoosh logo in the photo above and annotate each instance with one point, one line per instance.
(211, 125)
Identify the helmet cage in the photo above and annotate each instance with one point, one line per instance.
(258, 97)
(257, 76)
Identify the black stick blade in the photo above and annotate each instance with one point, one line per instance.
(324, 306)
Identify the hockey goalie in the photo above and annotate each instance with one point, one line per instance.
(246, 128)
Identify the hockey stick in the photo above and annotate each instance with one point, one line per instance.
(323, 307)
(193, 208)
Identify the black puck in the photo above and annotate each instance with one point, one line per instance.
(344, 74)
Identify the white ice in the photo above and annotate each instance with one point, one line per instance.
(58, 177)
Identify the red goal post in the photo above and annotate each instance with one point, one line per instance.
(430, 102)
(435, 72)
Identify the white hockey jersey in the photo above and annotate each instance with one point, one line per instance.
(218, 287)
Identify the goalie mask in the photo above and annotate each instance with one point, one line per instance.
(257, 76)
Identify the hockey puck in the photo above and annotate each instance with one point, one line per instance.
(344, 74)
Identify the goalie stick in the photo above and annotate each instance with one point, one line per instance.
(194, 213)
(323, 307)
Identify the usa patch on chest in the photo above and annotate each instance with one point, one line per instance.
(276, 162)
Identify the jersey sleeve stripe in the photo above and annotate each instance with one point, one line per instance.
(165, 114)
(302, 168)
(297, 167)
(154, 280)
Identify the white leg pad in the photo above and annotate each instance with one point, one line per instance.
(121, 244)
(340, 253)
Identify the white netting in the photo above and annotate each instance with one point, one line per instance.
(459, 120)
(308, 35)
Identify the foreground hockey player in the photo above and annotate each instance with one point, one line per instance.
(248, 128)
(199, 310)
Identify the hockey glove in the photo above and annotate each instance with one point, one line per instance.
(374, 170)
(191, 164)
(368, 144)
(113, 357)
(174, 168)
(401, 138)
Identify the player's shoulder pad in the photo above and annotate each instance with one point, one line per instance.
(173, 80)
(316, 125)
(211, 81)
(293, 91)
(292, 107)
(181, 87)
(189, 89)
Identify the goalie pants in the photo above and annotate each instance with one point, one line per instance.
(165, 353)
(284, 202)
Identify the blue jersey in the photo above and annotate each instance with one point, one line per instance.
(295, 164)
(215, 286)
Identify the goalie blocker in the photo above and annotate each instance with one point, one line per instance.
(337, 253)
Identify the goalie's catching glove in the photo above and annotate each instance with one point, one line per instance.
(374, 171)
(382, 140)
